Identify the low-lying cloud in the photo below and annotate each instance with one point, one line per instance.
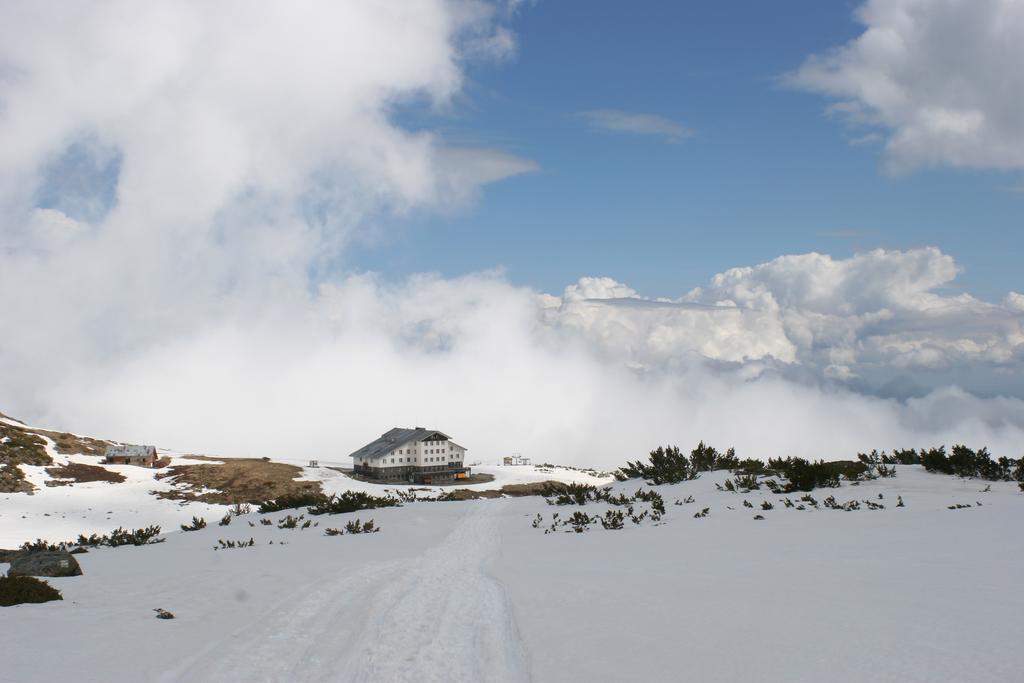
(177, 181)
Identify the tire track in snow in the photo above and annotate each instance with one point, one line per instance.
(446, 618)
(439, 616)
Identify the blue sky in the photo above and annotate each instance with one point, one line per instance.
(766, 171)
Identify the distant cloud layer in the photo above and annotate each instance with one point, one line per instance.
(175, 180)
(872, 321)
(938, 76)
(638, 124)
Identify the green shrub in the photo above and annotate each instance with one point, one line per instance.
(666, 466)
(806, 476)
(197, 524)
(579, 521)
(115, 538)
(41, 545)
(747, 482)
(905, 456)
(613, 519)
(289, 522)
(352, 501)
(935, 460)
(292, 501)
(17, 590)
(570, 494)
(751, 466)
(356, 527)
(876, 464)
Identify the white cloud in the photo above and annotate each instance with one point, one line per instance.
(938, 76)
(864, 318)
(251, 143)
(490, 363)
(640, 124)
(178, 290)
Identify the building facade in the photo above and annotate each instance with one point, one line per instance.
(143, 456)
(422, 456)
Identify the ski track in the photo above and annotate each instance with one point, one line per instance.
(439, 616)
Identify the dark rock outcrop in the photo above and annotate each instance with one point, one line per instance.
(58, 563)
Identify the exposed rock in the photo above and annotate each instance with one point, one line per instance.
(468, 494)
(535, 488)
(47, 563)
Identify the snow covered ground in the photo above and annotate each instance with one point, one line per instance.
(472, 591)
(63, 512)
(60, 513)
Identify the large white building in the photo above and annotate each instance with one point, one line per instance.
(419, 455)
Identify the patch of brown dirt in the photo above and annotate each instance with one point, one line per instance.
(535, 488)
(235, 480)
(468, 494)
(75, 473)
(71, 444)
(19, 446)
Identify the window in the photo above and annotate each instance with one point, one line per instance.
(392, 461)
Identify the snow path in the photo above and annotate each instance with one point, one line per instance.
(439, 616)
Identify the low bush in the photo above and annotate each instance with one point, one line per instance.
(579, 521)
(292, 501)
(571, 494)
(353, 527)
(121, 536)
(352, 501)
(117, 537)
(668, 465)
(665, 466)
(613, 519)
(197, 524)
(18, 590)
(966, 462)
(41, 545)
(289, 522)
(803, 475)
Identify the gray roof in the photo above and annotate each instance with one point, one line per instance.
(130, 450)
(395, 438)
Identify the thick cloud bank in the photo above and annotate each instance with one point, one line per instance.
(874, 321)
(940, 76)
(177, 180)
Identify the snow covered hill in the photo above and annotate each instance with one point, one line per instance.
(477, 591)
(62, 512)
